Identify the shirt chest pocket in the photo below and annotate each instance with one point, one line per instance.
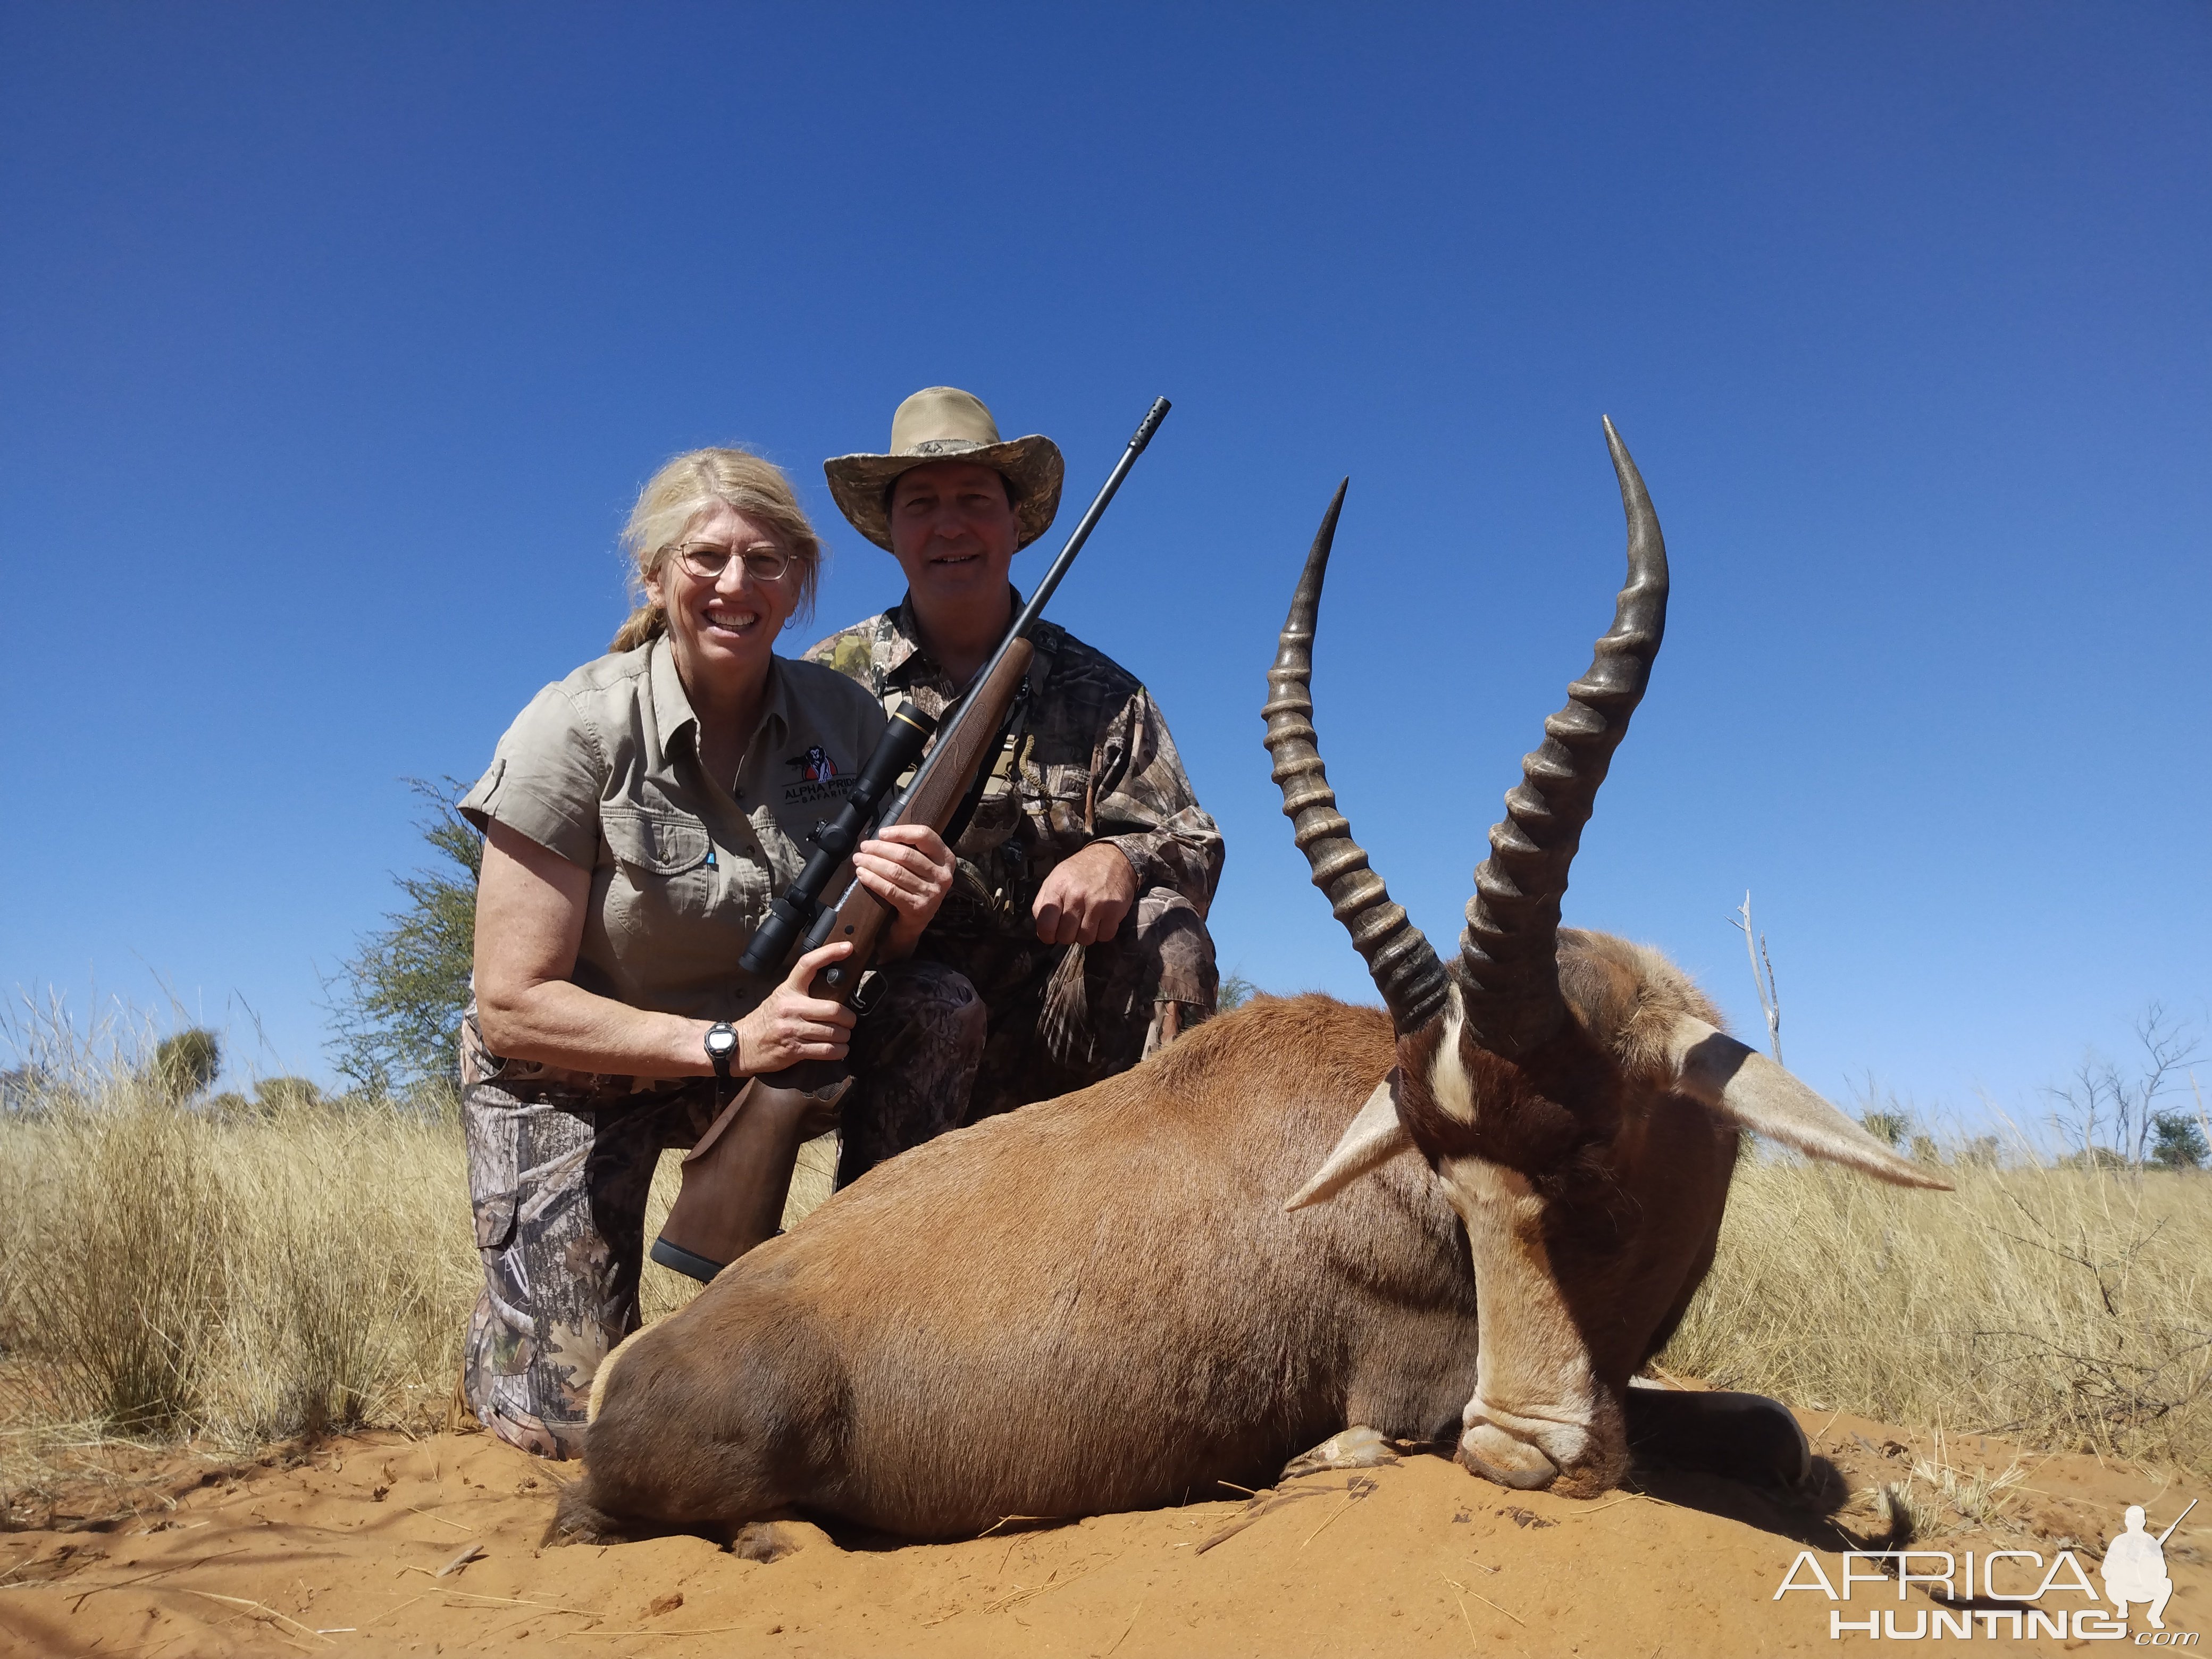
(666, 879)
(654, 843)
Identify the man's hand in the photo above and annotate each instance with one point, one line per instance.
(1085, 898)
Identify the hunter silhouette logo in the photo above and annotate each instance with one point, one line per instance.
(815, 766)
(2135, 1567)
(2134, 1572)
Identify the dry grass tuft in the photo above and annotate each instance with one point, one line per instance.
(2069, 1308)
(163, 1273)
(1942, 1495)
(174, 1275)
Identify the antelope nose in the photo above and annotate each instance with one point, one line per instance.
(1489, 1451)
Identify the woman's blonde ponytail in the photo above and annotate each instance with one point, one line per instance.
(648, 623)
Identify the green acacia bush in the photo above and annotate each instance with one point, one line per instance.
(397, 1002)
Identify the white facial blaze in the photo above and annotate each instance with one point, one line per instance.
(1449, 1086)
(1538, 1410)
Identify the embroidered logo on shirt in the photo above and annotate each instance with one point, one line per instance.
(815, 766)
(819, 780)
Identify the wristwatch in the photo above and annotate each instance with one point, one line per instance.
(721, 1046)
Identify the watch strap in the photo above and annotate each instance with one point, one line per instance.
(719, 1055)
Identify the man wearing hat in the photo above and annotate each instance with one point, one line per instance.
(1078, 910)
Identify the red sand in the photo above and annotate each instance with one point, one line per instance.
(337, 1548)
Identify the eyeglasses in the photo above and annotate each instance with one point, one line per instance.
(762, 564)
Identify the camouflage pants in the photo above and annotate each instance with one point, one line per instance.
(1153, 979)
(909, 1084)
(559, 1169)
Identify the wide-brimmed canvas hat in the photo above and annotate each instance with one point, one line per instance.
(943, 423)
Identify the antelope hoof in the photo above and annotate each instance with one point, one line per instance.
(1356, 1447)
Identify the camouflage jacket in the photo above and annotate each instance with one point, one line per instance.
(1094, 762)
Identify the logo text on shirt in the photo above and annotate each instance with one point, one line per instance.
(820, 779)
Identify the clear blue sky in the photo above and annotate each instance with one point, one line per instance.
(336, 341)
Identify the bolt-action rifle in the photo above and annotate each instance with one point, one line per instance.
(736, 1179)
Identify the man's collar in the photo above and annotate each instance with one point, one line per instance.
(906, 638)
(906, 647)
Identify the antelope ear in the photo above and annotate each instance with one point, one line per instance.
(1375, 1137)
(1744, 1086)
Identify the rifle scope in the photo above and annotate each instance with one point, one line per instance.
(835, 840)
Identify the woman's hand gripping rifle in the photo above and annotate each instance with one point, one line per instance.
(736, 1179)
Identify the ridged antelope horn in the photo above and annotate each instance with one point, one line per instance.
(1510, 948)
(1399, 955)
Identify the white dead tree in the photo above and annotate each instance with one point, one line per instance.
(1769, 999)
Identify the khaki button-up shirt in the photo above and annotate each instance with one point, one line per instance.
(604, 769)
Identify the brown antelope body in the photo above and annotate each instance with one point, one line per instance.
(1187, 1274)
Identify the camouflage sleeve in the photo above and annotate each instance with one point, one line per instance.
(849, 653)
(1144, 804)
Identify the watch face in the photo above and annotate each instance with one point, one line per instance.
(721, 1041)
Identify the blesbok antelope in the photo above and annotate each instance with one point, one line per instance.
(1171, 1280)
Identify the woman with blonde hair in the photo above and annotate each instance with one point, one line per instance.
(640, 816)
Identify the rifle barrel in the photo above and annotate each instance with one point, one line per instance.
(1146, 427)
(2177, 1520)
